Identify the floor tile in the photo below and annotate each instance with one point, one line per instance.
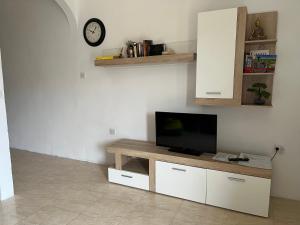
(160, 201)
(7, 219)
(96, 220)
(50, 215)
(109, 208)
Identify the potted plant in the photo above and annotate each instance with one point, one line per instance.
(259, 89)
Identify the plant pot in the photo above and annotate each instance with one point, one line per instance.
(259, 101)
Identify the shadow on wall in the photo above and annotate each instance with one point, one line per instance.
(190, 96)
(191, 87)
(109, 158)
(151, 126)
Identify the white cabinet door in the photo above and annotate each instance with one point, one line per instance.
(238, 192)
(216, 45)
(181, 181)
(127, 178)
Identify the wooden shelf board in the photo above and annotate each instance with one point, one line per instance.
(175, 58)
(267, 41)
(258, 74)
(137, 165)
(148, 150)
(265, 106)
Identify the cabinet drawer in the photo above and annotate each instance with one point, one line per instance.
(127, 178)
(181, 181)
(238, 192)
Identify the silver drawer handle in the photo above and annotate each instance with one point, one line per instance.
(177, 169)
(213, 92)
(236, 179)
(126, 176)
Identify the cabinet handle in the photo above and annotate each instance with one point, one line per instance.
(213, 92)
(236, 179)
(126, 176)
(177, 169)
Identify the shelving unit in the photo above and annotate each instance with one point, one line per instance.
(258, 74)
(137, 165)
(161, 59)
(269, 24)
(256, 42)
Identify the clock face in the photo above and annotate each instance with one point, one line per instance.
(94, 32)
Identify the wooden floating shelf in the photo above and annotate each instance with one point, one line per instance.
(258, 74)
(160, 59)
(265, 106)
(267, 41)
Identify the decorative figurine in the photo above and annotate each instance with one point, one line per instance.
(130, 53)
(258, 32)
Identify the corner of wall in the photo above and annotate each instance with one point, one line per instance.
(70, 8)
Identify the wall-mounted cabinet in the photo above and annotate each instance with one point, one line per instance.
(220, 53)
(224, 40)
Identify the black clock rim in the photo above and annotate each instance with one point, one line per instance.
(103, 32)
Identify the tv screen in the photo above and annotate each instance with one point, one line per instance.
(187, 133)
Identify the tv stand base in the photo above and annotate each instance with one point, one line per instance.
(201, 179)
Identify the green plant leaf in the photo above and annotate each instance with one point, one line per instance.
(259, 85)
(265, 94)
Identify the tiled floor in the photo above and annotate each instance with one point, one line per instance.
(57, 191)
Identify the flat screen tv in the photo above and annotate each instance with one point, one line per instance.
(186, 133)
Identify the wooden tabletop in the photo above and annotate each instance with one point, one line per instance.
(148, 150)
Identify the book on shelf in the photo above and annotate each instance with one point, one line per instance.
(265, 63)
(259, 61)
(108, 57)
(254, 53)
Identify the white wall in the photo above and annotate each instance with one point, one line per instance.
(40, 77)
(51, 110)
(6, 182)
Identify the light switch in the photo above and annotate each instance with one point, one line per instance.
(112, 131)
(82, 75)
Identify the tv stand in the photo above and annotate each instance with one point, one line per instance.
(201, 179)
(185, 151)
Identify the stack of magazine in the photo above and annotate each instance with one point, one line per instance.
(259, 61)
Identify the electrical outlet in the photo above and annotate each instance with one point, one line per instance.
(112, 131)
(278, 148)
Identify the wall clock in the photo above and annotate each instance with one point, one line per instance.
(94, 32)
